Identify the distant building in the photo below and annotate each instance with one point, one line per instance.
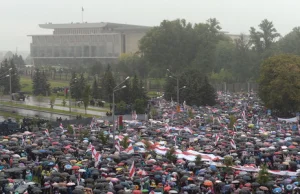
(85, 42)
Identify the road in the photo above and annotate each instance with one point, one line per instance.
(32, 101)
(33, 113)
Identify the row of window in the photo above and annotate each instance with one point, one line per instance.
(79, 51)
(41, 40)
(82, 31)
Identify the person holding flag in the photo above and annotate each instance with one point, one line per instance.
(132, 171)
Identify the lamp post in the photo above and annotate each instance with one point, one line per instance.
(177, 87)
(69, 93)
(10, 83)
(117, 88)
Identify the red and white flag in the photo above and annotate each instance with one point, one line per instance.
(47, 132)
(217, 139)
(132, 170)
(117, 146)
(129, 150)
(56, 168)
(232, 143)
(174, 138)
(61, 126)
(244, 115)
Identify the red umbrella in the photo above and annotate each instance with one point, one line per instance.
(75, 167)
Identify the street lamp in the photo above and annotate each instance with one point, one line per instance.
(177, 80)
(10, 82)
(69, 93)
(117, 88)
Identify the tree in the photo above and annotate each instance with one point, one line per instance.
(86, 97)
(171, 156)
(139, 106)
(208, 93)
(108, 84)
(228, 161)
(263, 40)
(279, 83)
(40, 83)
(198, 161)
(125, 142)
(130, 64)
(135, 89)
(103, 138)
(52, 101)
(7, 69)
(18, 60)
(95, 89)
(121, 107)
(263, 175)
(290, 42)
(198, 91)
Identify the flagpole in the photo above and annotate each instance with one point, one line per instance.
(82, 14)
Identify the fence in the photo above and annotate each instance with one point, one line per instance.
(236, 87)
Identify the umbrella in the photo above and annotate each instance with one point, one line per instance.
(207, 183)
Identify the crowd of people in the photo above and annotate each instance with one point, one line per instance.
(236, 146)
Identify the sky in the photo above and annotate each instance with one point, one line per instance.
(19, 18)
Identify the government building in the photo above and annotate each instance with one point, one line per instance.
(85, 43)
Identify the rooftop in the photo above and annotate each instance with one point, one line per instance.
(91, 25)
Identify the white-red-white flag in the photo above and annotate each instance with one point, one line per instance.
(175, 139)
(132, 170)
(117, 146)
(217, 139)
(232, 143)
(47, 132)
(61, 126)
(130, 149)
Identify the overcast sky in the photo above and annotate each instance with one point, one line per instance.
(21, 17)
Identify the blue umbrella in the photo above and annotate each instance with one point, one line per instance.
(68, 167)
(277, 190)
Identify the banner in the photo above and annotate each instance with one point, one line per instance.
(290, 120)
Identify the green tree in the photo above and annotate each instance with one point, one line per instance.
(290, 43)
(95, 89)
(198, 91)
(52, 101)
(108, 84)
(130, 64)
(103, 138)
(40, 86)
(170, 44)
(232, 121)
(171, 156)
(228, 161)
(86, 97)
(279, 83)
(208, 93)
(125, 142)
(135, 89)
(198, 161)
(263, 175)
(121, 107)
(64, 102)
(139, 106)
(18, 61)
(7, 69)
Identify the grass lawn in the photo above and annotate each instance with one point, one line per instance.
(7, 115)
(43, 109)
(105, 109)
(26, 84)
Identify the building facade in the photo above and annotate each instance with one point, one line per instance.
(85, 42)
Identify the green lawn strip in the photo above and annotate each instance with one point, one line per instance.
(12, 115)
(82, 108)
(36, 108)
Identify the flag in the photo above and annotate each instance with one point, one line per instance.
(232, 143)
(97, 159)
(132, 170)
(61, 126)
(244, 115)
(217, 139)
(78, 179)
(92, 123)
(47, 132)
(129, 150)
(117, 146)
(134, 115)
(56, 167)
(23, 140)
(89, 148)
(174, 138)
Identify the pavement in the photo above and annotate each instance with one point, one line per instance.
(32, 101)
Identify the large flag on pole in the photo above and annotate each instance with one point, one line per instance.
(232, 143)
(217, 139)
(132, 170)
